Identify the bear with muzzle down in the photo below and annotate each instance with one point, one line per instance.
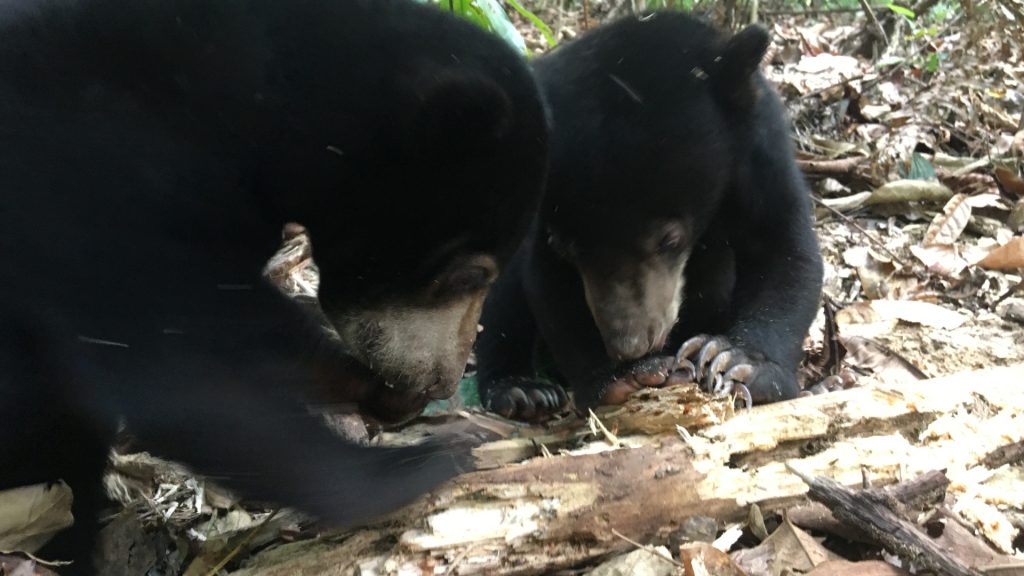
(151, 152)
(675, 237)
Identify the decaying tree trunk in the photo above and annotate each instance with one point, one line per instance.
(554, 512)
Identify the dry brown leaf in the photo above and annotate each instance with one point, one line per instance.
(858, 313)
(1018, 142)
(847, 568)
(642, 562)
(1015, 221)
(789, 548)
(943, 260)
(30, 515)
(1007, 256)
(1010, 182)
(874, 111)
(847, 203)
(987, 200)
(700, 558)
(947, 226)
(860, 319)
(918, 312)
(910, 191)
(887, 365)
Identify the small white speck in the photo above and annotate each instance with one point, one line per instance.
(101, 342)
(629, 90)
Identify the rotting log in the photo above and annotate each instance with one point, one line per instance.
(551, 513)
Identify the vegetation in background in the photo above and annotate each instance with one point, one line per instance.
(491, 16)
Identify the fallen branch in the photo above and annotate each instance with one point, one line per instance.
(872, 512)
(553, 513)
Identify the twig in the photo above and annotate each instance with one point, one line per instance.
(454, 565)
(596, 424)
(874, 20)
(872, 512)
(648, 549)
(860, 229)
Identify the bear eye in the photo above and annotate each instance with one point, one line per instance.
(466, 279)
(561, 247)
(670, 242)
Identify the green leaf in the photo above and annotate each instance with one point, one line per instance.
(905, 12)
(933, 62)
(469, 397)
(549, 36)
(495, 16)
(921, 168)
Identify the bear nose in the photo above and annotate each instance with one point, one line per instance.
(631, 346)
(628, 347)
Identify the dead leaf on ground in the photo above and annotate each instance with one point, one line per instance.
(641, 562)
(910, 191)
(917, 312)
(30, 515)
(987, 200)
(942, 260)
(888, 366)
(947, 226)
(847, 568)
(701, 558)
(787, 548)
(1015, 221)
(1007, 256)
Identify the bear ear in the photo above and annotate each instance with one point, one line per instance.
(740, 59)
(461, 113)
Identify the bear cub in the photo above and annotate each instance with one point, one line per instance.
(675, 218)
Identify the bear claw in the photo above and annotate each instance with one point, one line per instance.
(720, 368)
(527, 399)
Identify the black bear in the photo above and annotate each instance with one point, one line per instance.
(150, 153)
(674, 215)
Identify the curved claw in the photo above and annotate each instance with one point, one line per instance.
(527, 400)
(508, 403)
(717, 385)
(707, 354)
(717, 366)
(685, 371)
(740, 373)
(687, 349)
(742, 390)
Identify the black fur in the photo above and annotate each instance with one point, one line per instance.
(666, 141)
(150, 152)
